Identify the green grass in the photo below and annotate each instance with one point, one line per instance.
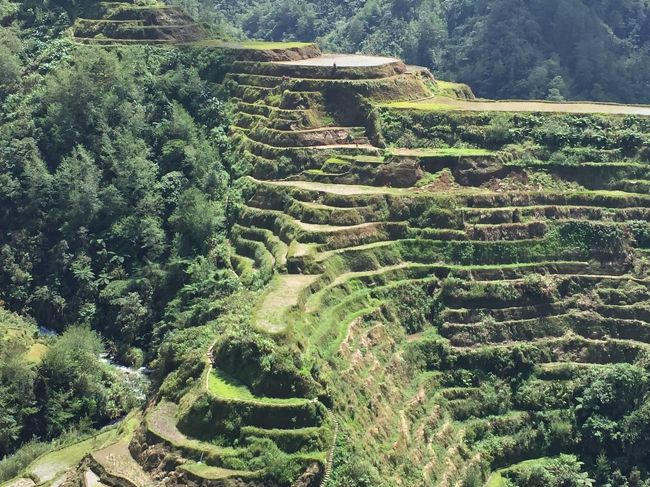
(427, 179)
(161, 422)
(226, 387)
(19, 336)
(53, 460)
(14, 464)
(341, 189)
(52, 464)
(36, 352)
(274, 45)
(259, 45)
(496, 480)
(215, 473)
(448, 85)
(363, 159)
(535, 462)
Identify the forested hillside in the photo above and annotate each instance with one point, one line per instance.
(578, 49)
(113, 184)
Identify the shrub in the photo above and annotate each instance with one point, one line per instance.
(277, 465)
(349, 469)
(498, 132)
(564, 471)
(539, 287)
(641, 232)
(589, 237)
(265, 367)
(502, 291)
(413, 307)
(437, 217)
(12, 465)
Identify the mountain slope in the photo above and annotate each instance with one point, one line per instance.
(502, 48)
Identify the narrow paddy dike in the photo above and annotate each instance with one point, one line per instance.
(414, 245)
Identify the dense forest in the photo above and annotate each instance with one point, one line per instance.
(113, 184)
(542, 49)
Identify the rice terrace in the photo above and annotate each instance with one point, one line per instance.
(257, 263)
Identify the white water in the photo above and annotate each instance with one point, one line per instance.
(136, 379)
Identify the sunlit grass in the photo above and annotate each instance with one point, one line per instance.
(226, 387)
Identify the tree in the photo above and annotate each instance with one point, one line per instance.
(73, 387)
(605, 397)
(10, 65)
(130, 317)
(556, 89)
(196, 220)
(77, 199)
(563, 471)
(9, 70)
(16, 402)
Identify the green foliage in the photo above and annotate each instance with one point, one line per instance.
(17, 401)
(118, 214)
(73, 387)
(594, 237)
(113, 182)
(641, 232)
(539, 288)
(113, 208)
(498, 132)
(278, 465)
(180, 360)
(69, 388)
(564, 471)
(348, 469)
(605, 397)
(264, 366)
(10, 65)
(11, 466)
(578, 137)
(502, 48)
(413, 307)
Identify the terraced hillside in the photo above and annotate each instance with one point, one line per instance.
(131, 22)
(17, 335)
(453, 267)
(434, 278)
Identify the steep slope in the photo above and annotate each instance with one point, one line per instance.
(128, 23)
(434, 278)
(578, 49)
